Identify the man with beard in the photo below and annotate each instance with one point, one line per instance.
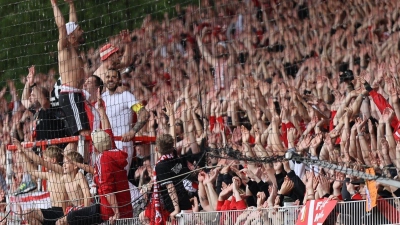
(110, 57)
(119, 110)
(71, 99)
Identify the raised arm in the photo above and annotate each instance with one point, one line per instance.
(72, 12)
(105, 123)
(36, 159)
(206, 55)
(27, 89)
(60, 21)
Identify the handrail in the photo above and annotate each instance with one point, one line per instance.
(56, 141)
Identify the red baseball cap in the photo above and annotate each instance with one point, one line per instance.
(107, 50)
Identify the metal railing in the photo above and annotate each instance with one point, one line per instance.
(387, 211)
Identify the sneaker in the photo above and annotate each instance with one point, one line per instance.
(25, 188)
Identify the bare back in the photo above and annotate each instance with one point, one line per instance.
(70, 66)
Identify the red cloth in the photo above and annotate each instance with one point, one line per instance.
(110, 177)
(388, 209)
(382, 104)
(158, 215)
(149, 213)
(212, 120)
(331, 126)
(284, 128)
(252, 140)
(231, 205)
(356, 197)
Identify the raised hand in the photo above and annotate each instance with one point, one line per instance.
(381, 71)
(31, 76)
(11, 85)
(245, 134)
(387, 115)
(360, 124)
(384, 146)
(316, 141)
(304, 143)
(169, 108)
(324, 184)
(236, 135)
(3, 92)
(257, 136)
(337, 184)
(125, 37)
(286, 187)
(100, 103)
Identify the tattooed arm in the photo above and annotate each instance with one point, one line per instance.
(142, 117)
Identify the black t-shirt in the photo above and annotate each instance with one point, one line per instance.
(167, 169)
(48, 124)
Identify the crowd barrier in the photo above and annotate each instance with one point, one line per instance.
(387, 212)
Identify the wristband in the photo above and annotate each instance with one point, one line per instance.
(136, 107)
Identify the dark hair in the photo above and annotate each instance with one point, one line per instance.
(98, 82)
(43, 91)
(146, 158)
(119, 74)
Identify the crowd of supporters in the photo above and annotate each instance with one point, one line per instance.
(237, 80)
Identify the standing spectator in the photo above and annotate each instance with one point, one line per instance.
(120, 108)
(169, 171)
(71, 70)
(110, 179)
(46, 124)
(110, 57)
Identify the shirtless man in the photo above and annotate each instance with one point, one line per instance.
(52, 157)
(70, 67)
(75, 184)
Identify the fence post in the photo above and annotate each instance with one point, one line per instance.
(9, 174)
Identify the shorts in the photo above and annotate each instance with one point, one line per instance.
(50, 216)
(86, 215)
(72, 208)
(73, 105)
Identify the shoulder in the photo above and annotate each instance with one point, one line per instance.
(79, 176)
(128, 94)
(54, 176)
(105, 94)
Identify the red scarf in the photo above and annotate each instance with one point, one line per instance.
(156, 208)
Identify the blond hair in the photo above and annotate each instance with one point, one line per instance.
(54, 152)
(75, 157)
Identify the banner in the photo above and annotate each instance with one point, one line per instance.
(315, 212)
(371, 191)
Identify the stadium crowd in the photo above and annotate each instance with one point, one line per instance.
(219, 86)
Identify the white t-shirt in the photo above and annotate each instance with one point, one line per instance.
(119, 112)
